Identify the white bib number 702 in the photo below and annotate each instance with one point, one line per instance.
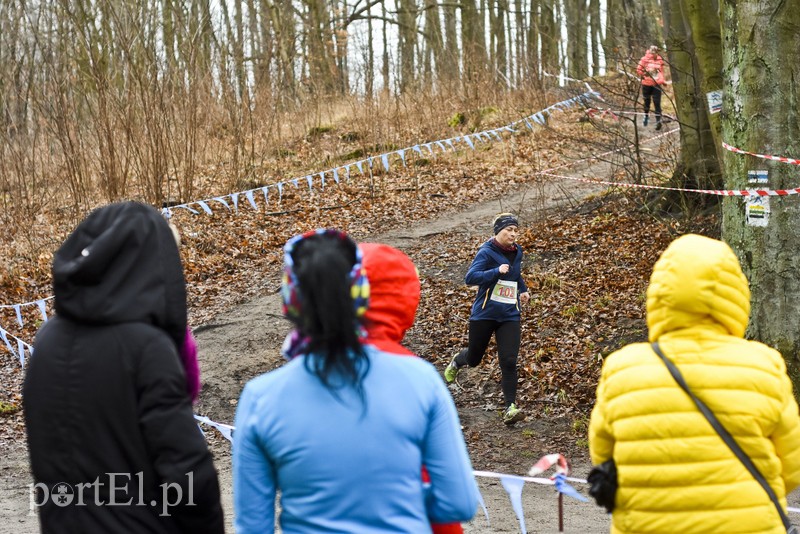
(505, 291)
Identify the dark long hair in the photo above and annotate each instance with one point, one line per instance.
(327, 316)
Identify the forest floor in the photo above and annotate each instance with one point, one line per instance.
(589, 252)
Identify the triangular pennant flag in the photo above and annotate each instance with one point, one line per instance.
(296, 182)
(483, 505)
(19, 313)
(360, 168)
(385, 160)
(469, 142)
(322, 179)
(310, 182)
(166, 213)
(188, 208)
(450, 143)
(21, 353)
(280, 192)
(429, 147)
(204, 206)
(513, 486)
(42, 309)
(265, 190)
(225, 430)
(560, 480)
(336, 175)
(402, 154)
(223, 202)
(528, 124)
(440, 145)
(4, 337)
(347, 172)
(235, 201)
(369, 161)
(249, 196)
(417, 149)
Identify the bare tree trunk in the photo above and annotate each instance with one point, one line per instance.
(705, 34)
(698, 166)
(595, 34)
(450, 67)
(407, 18)
(576, 38)
(760, 114)
(549, 33)
(435, 44)
(532, 56)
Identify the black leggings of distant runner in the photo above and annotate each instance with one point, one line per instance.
(653, 91)
(507, 336)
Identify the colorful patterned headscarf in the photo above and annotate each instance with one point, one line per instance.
(359, 285)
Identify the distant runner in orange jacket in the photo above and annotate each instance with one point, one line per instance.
(651, 71)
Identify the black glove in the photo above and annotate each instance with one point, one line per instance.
(603, 484)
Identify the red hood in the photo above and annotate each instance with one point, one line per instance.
(394, 291)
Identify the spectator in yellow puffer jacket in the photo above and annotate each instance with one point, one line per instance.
(675, 472)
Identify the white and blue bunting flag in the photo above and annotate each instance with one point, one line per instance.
(41, 304)
(19, 350)
(249, 196)
(484, 136)
(225, 430)
(513, 486)
(222, 201)
(560, 480)
(205, 207)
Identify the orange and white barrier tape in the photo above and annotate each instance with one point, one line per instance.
(719, 192)
(782, 159)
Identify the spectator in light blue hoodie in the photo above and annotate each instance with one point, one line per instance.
(343, 429)
(497, 271)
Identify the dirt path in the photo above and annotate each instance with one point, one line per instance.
(246, 342)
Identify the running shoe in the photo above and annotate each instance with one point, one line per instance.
(451, 371)
(513, 415)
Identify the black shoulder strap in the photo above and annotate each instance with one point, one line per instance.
(726, 437)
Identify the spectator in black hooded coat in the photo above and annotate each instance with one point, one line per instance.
(113, 443)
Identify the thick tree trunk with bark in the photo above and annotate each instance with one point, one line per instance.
(761, 69)
(698, 166)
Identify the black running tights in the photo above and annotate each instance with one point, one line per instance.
(507, 337)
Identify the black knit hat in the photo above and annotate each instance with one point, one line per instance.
(504, 220)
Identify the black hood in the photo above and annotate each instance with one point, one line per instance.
(121, 264)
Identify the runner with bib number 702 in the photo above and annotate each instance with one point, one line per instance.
(497, 271)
